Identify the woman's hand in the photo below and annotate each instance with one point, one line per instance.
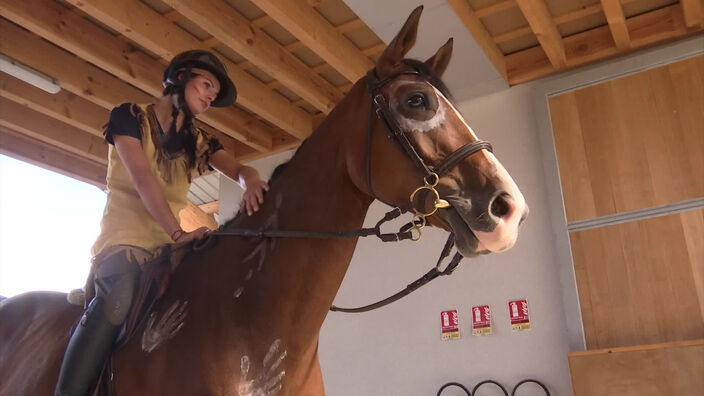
(246, 176)
(253, 196)
(180, 236)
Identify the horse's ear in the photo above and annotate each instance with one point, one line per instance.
(400, 45)
(438, 62)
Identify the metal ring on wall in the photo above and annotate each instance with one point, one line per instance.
(489, 382)
(513, 393)
(457, 384)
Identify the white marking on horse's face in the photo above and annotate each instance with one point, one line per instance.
(269, 381)
(166, 328)
(413, 125)
(457, 114)
(238, 292)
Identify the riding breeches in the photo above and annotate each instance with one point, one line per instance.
(116, 280)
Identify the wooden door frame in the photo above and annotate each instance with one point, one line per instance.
(571, 81)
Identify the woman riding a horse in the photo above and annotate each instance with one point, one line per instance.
(241, 315)
(154, 150)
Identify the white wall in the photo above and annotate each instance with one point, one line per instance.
(397, 349)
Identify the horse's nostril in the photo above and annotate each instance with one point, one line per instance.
(500, 207)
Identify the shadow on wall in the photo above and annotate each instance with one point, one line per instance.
(492, 382)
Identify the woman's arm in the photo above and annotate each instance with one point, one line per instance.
(246, 176)
(145, 182)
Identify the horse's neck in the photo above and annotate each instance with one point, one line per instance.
(315, 193)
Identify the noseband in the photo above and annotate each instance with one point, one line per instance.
(431, 175)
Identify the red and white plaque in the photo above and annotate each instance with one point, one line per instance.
(518, 312)
(450, 325)
(481, 320)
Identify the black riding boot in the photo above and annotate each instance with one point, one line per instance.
(87, 351)
(92, 341)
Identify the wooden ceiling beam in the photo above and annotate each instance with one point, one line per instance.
(495, 8)
(68, 30)
(538, 16)
(476, 28)
(352, 24)
(79, 77)
(233, 30)
(173, 16)
(47, 156)
(617, 23)
(63, 106)
(41, 127)
(306, 24)
(650, 28)
(693, 11)
(149, 29)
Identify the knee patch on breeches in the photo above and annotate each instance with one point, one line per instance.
(115, 282)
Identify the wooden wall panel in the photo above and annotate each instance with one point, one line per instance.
(652, 370)
(641, 282)
(632, 143)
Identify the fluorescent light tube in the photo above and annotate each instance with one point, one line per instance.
(28, 75)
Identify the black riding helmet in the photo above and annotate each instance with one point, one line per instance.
(205, 60)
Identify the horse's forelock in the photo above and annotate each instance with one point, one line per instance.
(431, 76)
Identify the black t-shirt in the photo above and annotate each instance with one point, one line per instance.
(124, 121)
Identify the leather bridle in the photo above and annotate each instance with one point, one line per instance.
(431, 177)
(380, 106)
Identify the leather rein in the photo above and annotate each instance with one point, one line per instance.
(379, 106)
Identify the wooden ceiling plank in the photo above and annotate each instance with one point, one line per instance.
(476, 28)
(567, 17)
(495, 8)
(233, 30)
(538, 16)
(22, 147)
(147, 28)
(39, 126)
(77, 76)
(617, 23)
(210, 42)
(318, 34)
(71, 72)
(579, 13)
(65, 28)
(352, 24)
(262, 21)
(173, 16)
(693, 11)
(374, 49)
(650, 28)
(512, 34)
(63, 106)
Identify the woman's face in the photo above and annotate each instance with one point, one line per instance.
(201, 90)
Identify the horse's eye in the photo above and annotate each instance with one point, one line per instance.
(416, 101)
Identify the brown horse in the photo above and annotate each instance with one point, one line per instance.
(242, 317)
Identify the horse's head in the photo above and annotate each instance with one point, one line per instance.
(416, 115)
